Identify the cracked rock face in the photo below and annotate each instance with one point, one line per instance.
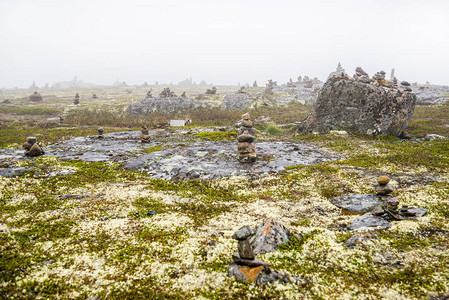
(354, 106)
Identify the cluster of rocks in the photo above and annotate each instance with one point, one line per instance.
(246, 147)
(150, 94)
(354, 105)
(211, 91)
(145, 135)
(269, 87)
(266, 237)
(36, 97)
(339, 71)
(379, 208)
(166, 92)
(361, 75)
(76, 100)
(31, 147)
(241, 90)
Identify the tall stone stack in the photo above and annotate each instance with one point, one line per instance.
(76, 100)
(246, 147)
(361, 75)
(36, 97)
(145, 135)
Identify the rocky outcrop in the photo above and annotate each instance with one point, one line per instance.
(355, 106)
(164, 104)
(431, 94)
(237, 101)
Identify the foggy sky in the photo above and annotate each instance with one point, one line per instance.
(223, 42)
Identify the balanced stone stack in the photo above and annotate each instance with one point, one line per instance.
(361, 75)
(100, 132)
(31, 147)
(144, 136)
(389, 210)
(246, 147)
(379, 79)
(76, 100)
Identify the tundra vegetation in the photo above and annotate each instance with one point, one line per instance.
(90, 233)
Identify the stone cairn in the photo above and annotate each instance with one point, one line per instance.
(166, 93)
(255, 84)
(211, 91)
(149, 94)
(379, 79)
(76, 100)
(100, 132)
(31, 147)
(269, 87)
(241, 90)
(361, 75)
(246, 263)
(94, 96)
(144, 136)
(246, 147)
(36, 97)
(389, 210)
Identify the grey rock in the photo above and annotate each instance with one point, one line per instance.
(359, 202)
(243, 233)
(165, 104)
(383, 189)
(268, 236)
(354, 106)
(405, 83)
(31, 140)
(368, 221)
(432, 137)
(245, 250)
(248, 262)
(237, 101)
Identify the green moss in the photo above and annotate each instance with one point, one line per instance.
(217, 135)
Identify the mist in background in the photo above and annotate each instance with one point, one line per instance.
(222, 42)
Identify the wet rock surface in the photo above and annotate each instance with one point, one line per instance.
(368, 221)
(185, 156)
(359, 202)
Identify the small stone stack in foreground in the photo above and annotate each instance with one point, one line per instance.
(246, 147)
(144, 136)
(76, 100)
(31, 147)
(100, 132)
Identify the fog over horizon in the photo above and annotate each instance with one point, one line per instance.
(221, 42)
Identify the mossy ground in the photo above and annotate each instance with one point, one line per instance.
(91, 234)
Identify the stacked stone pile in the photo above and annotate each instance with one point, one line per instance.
(100, 132)
(389, 210)
(361, 75)
(267, 237)
(144, 136)
(246, 147)
(31, 147)
(76, 100)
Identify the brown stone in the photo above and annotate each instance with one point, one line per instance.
(246, 137)
(246, 116)
(35, 150)
(383, 180)
(245, 147)
(26, 146)
(145, 138)
(383, 189)
(247, 123)
(250, 273)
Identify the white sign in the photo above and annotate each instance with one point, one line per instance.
(176, 123)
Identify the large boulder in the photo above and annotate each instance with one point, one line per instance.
(237, 101)
(164, 104)
(354, 106)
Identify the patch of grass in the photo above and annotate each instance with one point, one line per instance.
(218, 135)
(30, 110)
(273, 129)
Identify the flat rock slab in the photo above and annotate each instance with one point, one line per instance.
(359, 202)
(369, 222)
(184, 157)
